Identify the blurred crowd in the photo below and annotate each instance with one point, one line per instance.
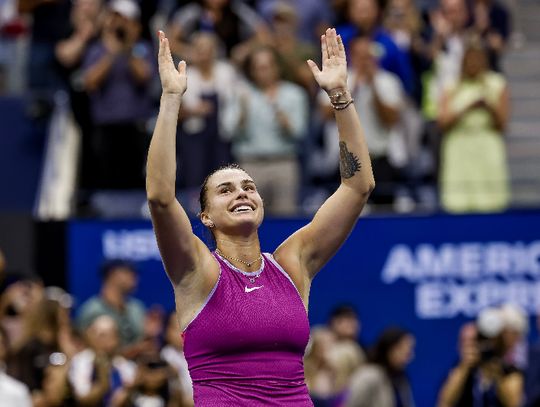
(426, 78)
(111, 350)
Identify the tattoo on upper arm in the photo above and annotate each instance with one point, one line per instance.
(348, 162)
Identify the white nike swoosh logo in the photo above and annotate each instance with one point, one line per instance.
(250, 289)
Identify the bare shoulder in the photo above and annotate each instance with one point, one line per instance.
(287, 255)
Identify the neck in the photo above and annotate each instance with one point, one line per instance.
(240, 252)
(112, 296)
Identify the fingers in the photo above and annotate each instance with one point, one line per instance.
(333, 49)
(164, 54)
(332, 45)
(324, 49)
(341, 47)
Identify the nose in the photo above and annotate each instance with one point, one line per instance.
(241, 194)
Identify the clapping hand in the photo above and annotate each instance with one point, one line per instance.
(173, 80)
(334, 63)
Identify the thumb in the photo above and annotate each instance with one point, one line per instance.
(182, 67)
(314, 68)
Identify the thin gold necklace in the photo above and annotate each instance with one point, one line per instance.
(247, 263)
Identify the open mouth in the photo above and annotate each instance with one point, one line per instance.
(242, 209)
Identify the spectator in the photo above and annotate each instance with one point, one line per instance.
(293, 52)
(265, 123)
(449, 24)
(212, 83)
(12, 392)
(379, 101)
(48, 27)
(492, 22)
(85, 29)
(41, 337)
(173, 354)
(313, 16)
(473, 116)
(20, 295)
(365, 19)
(98, 374)
(234, 23)
(118, 70)
(482, 376)
(318, 372)
(532, 374)
(344, 323)
(344, 358)
(404, 24)
(514, 335)
(119, 282)
(384, 382)
(151, 386)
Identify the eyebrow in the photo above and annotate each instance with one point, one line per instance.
(228, 184)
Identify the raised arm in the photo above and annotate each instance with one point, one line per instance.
(306, 251)
(182, 252)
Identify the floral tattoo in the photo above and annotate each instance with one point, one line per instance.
(348, 162)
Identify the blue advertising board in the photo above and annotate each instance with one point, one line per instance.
(429, 274)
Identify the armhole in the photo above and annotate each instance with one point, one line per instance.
(278, 266)
(207, 299)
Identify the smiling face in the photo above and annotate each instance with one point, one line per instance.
(232, 201)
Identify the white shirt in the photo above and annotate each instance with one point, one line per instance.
(177, 360)
(13, 392)
(82, 368)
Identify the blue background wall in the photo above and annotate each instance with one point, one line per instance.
(509, 243)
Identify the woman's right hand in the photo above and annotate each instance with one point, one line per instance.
(173, 81)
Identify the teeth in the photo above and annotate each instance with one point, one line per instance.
(242, 208)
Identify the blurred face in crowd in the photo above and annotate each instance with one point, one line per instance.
(345, 327)
(205, 45)
(232, 201)
(284, 21)
(402, 353)
(363, 60)
(474, 62)
(124, 279)
(455, 12)
(263, 68)
(88, 8)
(102, 335)
(364, 13)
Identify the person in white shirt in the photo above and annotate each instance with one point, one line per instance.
(98, 374)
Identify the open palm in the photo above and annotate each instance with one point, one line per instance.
(173, 81)
(334, 62)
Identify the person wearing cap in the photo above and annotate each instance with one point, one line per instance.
(117, 73)
(482, 377)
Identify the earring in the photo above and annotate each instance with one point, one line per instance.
(211, 224)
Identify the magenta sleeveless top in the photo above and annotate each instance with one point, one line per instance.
(246, 345)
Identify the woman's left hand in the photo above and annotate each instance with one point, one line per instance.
(334, 63)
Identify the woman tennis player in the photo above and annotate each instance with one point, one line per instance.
(244, 312)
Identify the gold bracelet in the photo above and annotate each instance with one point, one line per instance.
(342, 105)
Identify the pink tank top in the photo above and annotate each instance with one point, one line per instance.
(246, 345)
